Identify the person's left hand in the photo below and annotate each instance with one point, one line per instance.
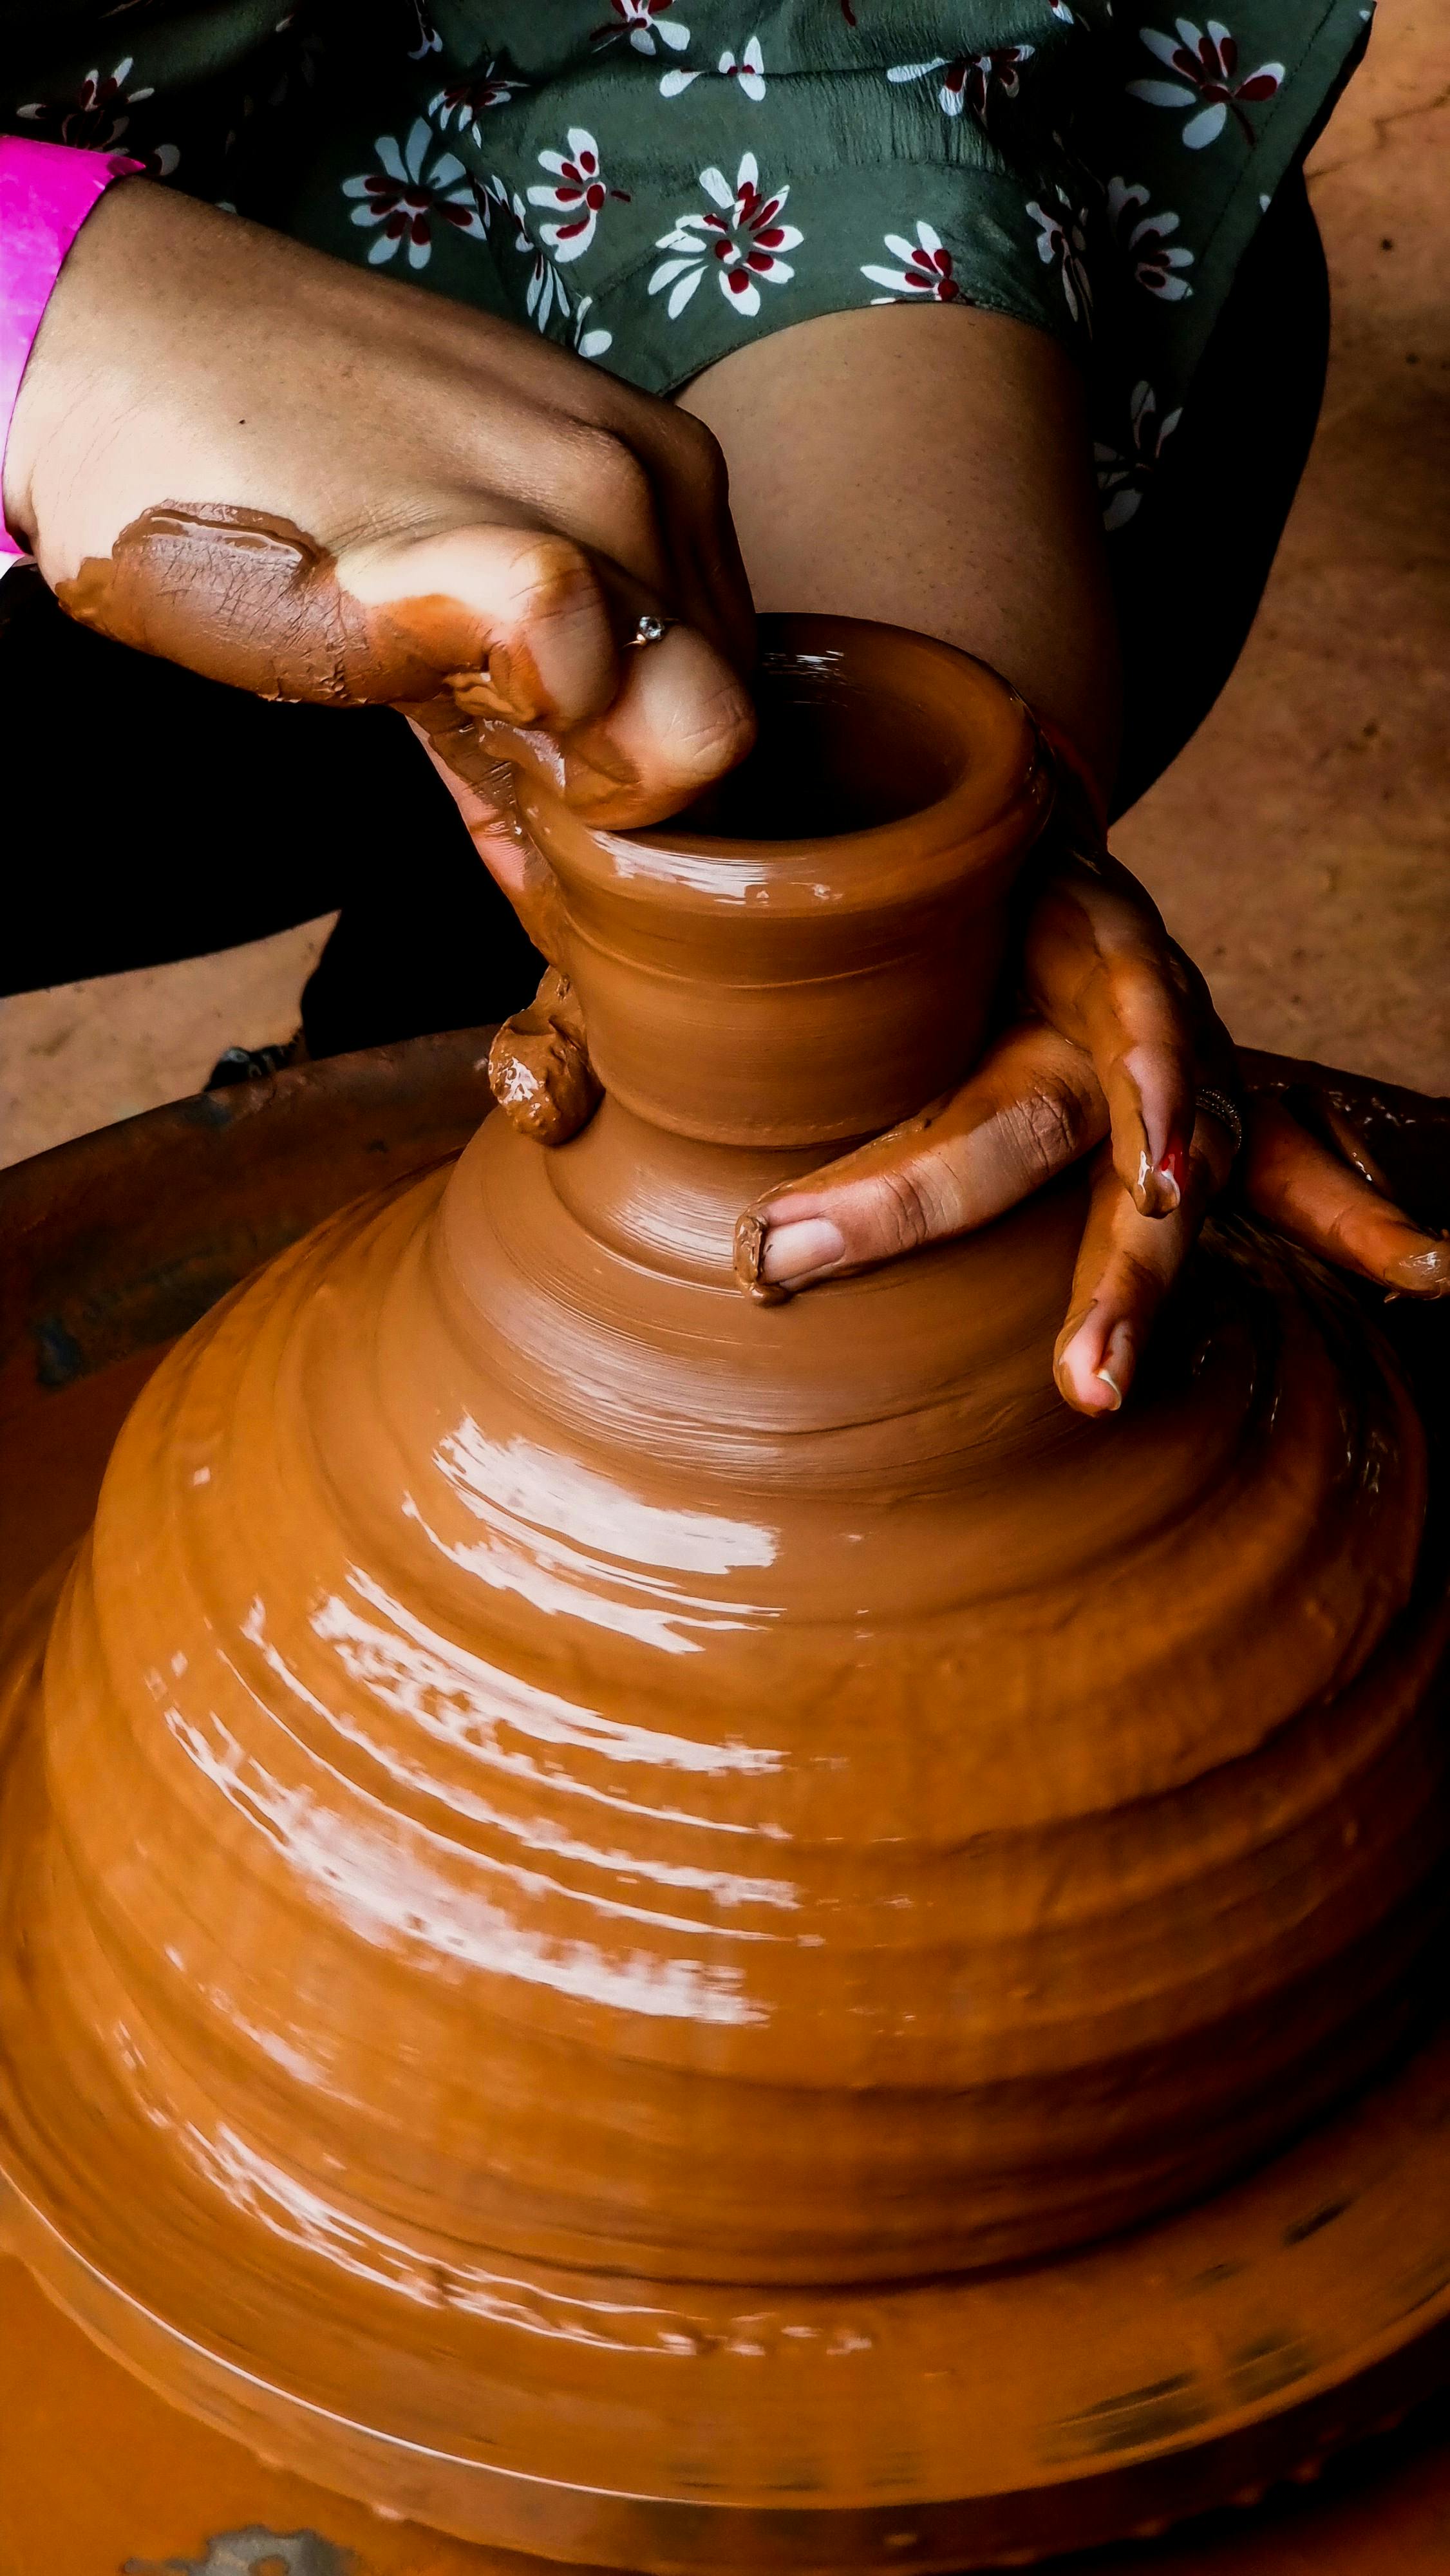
(1118, 1053)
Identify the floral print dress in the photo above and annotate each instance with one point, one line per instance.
(650, 182)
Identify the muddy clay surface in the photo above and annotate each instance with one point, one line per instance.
(635, 1886)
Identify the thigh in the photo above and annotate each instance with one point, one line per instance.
(932, 467)
(929, 466)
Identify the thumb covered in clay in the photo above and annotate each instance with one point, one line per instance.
(311, 483)
(506, 647)
(503, 643)
(509, 653)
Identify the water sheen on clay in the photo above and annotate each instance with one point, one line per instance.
(603, 1858)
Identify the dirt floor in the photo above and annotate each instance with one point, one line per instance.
(1300, 847)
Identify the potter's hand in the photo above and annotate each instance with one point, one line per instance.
(1119, 1037)
(1325, 1154)
(427, 508)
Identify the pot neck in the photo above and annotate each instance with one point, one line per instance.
(782, 993)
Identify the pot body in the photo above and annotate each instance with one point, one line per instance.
(602, 1882)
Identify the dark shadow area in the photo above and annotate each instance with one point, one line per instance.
(171, 816)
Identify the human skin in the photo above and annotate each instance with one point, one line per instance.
(516, 509)
(930, 466)
(189, 357)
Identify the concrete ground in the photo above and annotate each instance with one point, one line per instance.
(1299, 847)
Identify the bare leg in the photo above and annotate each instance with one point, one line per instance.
(929, 466)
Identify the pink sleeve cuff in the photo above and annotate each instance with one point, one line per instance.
(46, 192)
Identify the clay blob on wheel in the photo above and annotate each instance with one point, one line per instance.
(663, 1932)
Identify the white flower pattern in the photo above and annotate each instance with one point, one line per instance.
(1105, 228)
(99, 114)
(589, 341)
(1207, 65)
(1156, 262)
(545, 294)
(466, 102)
(970, 79)
(927, 268)
(1124, 473)
(497, 199)
(742, 236)
(747, 70)
(429, 40)
(1062, 243)
(407, 195)
(645, 23)
(579, 189)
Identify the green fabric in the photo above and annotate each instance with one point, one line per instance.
(653, 181)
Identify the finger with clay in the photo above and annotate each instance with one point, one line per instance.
(1125, 1059)
(309, 482)
(1326, 1155)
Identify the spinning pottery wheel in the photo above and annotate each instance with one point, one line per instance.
(663, 1932)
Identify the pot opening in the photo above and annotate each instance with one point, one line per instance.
(831, 757)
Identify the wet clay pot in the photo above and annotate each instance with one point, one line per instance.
(666, 1932)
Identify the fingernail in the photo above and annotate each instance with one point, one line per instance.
(1077, 1384)
(795, 1252)
(1424, 1274)
(1153, 1192)
(1115, 1370)
(1173, 1168)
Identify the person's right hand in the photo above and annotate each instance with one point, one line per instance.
(1114, 1054)
(483, 518)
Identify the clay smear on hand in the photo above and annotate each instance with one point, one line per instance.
(246, 597)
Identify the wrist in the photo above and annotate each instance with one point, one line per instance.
(48, 196)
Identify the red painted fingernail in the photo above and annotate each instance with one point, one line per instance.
(1174, 1164)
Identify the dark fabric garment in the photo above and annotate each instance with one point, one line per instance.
(651, 182)
(1189, 572)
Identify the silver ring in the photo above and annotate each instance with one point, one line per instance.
(1217, 1104)
(650, 630)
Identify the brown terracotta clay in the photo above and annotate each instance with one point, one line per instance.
(603, 1880)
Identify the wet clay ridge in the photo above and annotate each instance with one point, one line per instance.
(614, 1896)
